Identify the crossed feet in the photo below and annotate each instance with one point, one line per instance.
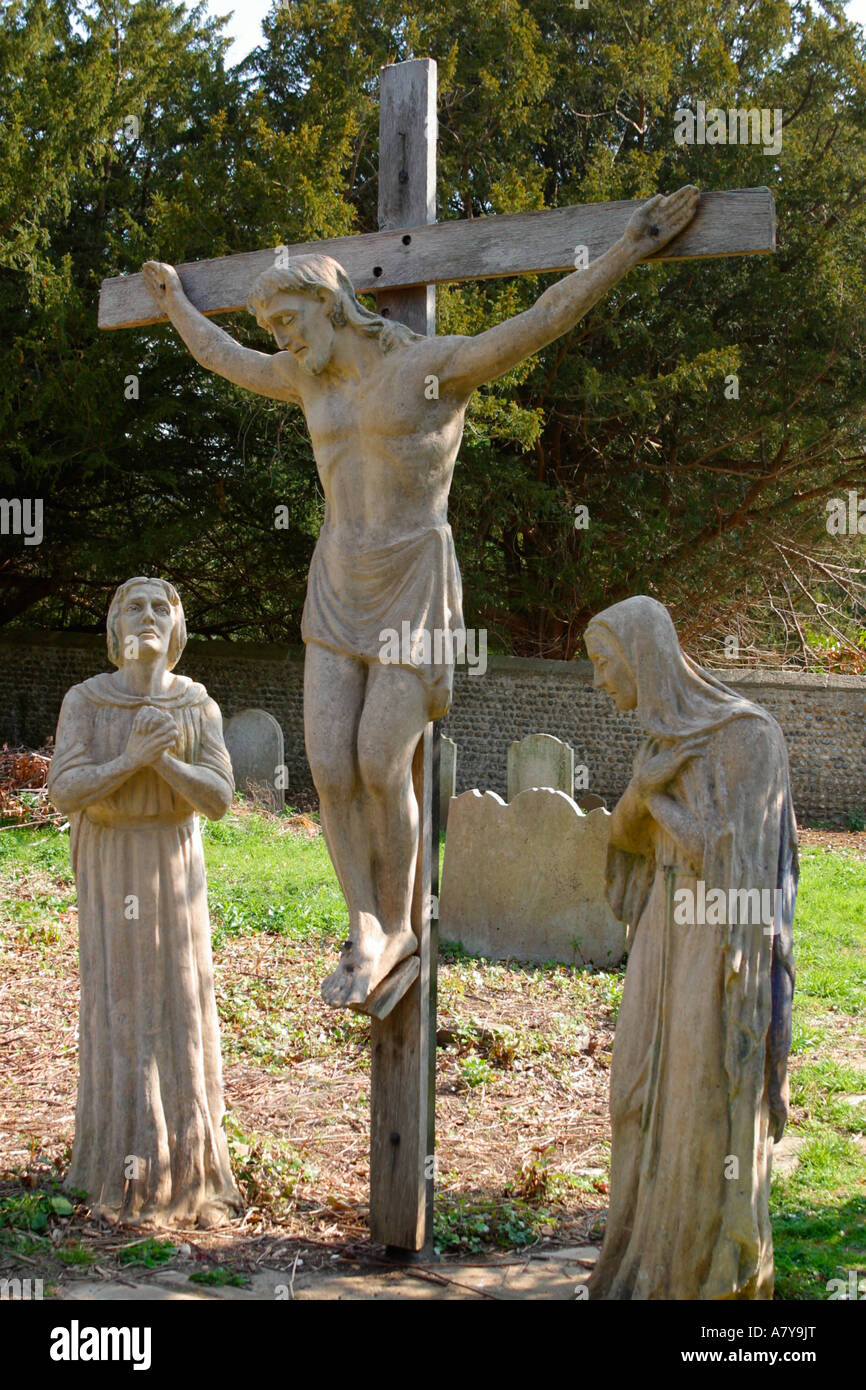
(366, 958)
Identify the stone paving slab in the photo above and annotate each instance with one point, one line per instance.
(553, 1275)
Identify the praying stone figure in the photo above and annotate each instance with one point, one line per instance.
(702, 864)
(385, 409)
(139, 755)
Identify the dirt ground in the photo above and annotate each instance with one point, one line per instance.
(535, 1136)
(853, 842)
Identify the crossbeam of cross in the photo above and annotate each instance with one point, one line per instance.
(738, 222)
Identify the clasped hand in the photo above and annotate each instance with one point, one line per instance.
(153, 733)
(659, 770)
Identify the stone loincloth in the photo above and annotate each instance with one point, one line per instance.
(357, 598)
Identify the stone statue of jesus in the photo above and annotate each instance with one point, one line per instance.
(385, 409)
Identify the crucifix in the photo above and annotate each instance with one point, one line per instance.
(384, 399)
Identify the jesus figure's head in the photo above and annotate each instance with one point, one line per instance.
(304, 300)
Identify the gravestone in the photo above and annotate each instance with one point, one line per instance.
(590, 802)
(447, 777)
(540, 760)
(526, 880)
(257, 750)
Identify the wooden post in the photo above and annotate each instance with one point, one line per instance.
(403, 1056)
(407, 176)
(403, 1045)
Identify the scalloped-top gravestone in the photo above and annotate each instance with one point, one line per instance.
(525, 881)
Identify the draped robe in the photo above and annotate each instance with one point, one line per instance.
(355, 597)
(148, 1134)
(698, 1076)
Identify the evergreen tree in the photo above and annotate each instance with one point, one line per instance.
(706, 491)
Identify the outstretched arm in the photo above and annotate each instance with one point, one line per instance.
(269, 374)
(496, 351)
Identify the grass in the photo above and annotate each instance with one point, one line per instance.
(261, 883)
(523, 1142)
(819, 1212)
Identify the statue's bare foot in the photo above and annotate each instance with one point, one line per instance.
(366, 958)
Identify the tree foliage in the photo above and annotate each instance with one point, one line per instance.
(715, 504)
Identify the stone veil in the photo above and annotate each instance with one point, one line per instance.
(698, 1078)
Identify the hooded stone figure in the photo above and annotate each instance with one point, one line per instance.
(139, 752)
(703, 866)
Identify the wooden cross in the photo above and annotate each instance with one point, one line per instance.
(402, 263)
